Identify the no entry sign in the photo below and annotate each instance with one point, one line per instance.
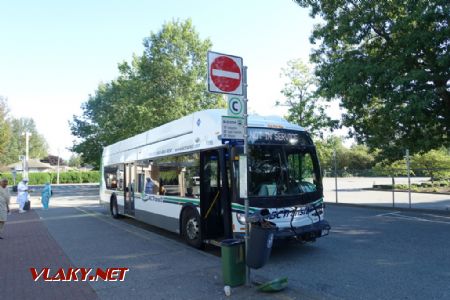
(224, 73)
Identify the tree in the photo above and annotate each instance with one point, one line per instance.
(5, 129)
(166, 82)
(434, 163)
(305, 108)
(75, 161)
(360, 159)
(326, 149)
(54, 160)
(38, 146)
(389, 63)
(356, 161)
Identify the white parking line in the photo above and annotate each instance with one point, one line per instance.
(387, 214)
(397, 215)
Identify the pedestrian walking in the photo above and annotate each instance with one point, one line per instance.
(4, 203)
(22, 194)
(45, 195)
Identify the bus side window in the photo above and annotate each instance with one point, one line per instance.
(110, 174)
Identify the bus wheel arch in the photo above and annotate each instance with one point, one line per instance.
(190, 226)
(114, 207)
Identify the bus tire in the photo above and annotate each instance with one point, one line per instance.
(191, 228)
(113, 207)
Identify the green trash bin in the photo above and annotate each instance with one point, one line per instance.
(233, 262)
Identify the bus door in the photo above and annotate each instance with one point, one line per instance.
(130, 186)
(215, 204)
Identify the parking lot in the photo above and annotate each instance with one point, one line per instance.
(371, 253)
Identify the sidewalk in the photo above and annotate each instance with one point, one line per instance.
(63, 237)
(27, 244)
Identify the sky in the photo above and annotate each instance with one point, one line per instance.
(54, 53)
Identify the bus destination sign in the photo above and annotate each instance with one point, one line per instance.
(276, 136)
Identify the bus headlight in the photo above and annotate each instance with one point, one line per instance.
(240, 218)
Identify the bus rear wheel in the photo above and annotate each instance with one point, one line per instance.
(113, 207)
(191, 228)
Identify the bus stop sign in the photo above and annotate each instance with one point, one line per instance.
(224, 73)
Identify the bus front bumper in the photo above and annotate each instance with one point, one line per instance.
(305, 233)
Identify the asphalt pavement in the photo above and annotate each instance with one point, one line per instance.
(370, 254)
(83, 235)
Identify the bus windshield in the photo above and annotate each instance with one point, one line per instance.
(282, 170)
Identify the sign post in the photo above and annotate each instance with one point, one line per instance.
(246, 202)
(228, 75)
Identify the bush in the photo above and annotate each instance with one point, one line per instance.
(38, 178)
(64, 177)
(401, 186)
(10, 178)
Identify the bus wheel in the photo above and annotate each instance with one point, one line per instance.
(113, 207)
(191, 228)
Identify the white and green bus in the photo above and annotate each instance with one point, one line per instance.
(182, 177)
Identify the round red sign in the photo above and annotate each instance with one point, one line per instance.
(225, 74)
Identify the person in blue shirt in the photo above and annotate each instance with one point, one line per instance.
(45, 195)
(151, 186)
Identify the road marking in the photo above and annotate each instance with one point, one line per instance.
(437, 216)
(387, 214)
(397, 215)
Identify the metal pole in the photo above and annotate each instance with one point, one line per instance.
(335, 174)
(393, 191)
(57, 176)
(27, 146)
(246, 202)
(409, 176)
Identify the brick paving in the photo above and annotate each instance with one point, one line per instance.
(27, 244)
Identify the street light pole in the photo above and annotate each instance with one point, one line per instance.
(27, 138)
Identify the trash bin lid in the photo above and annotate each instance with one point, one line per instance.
(275, 285)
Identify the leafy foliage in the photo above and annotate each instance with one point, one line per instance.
(434, 163)
(64, 177)
(75, 161)
(53, 160)
(166, 82)
(389, 62)
(5, 130)
(12, 142)
(37, 144)
(305, 108)
(356, 160)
